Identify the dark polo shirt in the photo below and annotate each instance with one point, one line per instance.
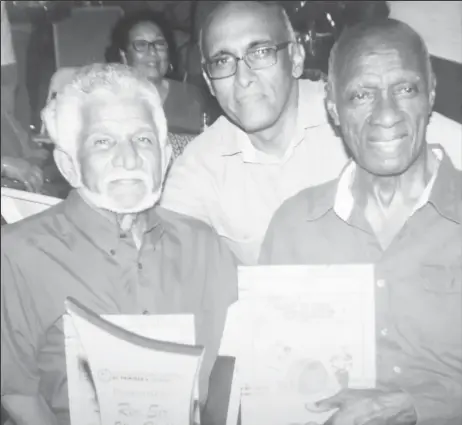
(418, 284)
(72, 250)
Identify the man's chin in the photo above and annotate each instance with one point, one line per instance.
(251, 127)
(120, 204)
(132, 207)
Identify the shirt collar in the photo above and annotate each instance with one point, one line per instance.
(446, 195)
(103, 231)
(309, 115)
(444, 192)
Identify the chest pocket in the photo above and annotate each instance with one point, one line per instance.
(440, 308)
(443, 280)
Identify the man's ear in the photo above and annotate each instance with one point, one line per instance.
(330, 104)
(68, 167)
(209, 82)
(298, 59)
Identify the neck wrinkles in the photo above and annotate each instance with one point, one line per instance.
(409, 185)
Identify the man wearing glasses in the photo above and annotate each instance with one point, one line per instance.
(275, 139)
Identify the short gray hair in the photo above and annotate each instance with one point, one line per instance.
(362, 30)
(62, 115)
(291, 34)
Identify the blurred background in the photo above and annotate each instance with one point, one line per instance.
(48, 35)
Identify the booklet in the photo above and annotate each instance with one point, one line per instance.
(131, 370)
(300, 334)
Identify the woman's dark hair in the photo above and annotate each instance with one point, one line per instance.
(121, 31)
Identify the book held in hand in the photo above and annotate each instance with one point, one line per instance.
(130, 369)
(299, 334)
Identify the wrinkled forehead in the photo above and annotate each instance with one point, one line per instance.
(116, 107)
(375, 53)
(234, 28)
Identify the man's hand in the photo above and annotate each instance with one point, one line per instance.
(22, 170)
(369, 407)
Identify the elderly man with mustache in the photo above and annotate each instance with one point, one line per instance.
(107, 245)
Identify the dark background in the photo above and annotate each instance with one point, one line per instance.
(34, 42)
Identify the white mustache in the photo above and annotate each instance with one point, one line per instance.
(128, 176)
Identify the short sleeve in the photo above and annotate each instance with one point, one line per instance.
(20, 332)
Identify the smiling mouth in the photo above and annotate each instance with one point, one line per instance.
(394, 139)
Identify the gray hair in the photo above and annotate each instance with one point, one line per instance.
(363, 30)
(291, 34)
(62, 115)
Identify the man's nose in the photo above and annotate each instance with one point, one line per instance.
(127, 156)
(152, 50)
(386, 112)
(244, 75)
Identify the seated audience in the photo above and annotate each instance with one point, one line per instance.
(397, 205)
(105, 245)
(275, 139)
(144, 40)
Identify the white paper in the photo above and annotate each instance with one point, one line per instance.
(299, 333)
(18, 204)
(84, 408)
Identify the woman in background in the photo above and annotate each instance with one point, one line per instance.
(144, 40)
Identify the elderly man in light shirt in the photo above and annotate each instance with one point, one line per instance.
(275, 139)
(396, 205)
(104, 244)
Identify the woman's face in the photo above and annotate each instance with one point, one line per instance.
(147, 50)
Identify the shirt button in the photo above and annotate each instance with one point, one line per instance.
(140, 266)
(123, 235)
(112, 251)
(397, 370)
(145, 312)
(381, 283)
(384, 332)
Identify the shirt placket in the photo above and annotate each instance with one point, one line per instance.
(149, 272)
(387, 368)
(391, 360)
(125, 256)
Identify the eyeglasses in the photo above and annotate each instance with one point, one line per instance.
(142, 46)
(255, 58)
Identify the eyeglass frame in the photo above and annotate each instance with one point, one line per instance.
(149, 44)
(277, 47)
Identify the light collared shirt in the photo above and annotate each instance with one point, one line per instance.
(223, 180)
(344, 200)
(71, 250)
(418, 293)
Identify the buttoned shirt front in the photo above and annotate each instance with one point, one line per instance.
(223, 180)
(71, 250)
(418, 282)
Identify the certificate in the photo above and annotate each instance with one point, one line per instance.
(119, 374)
(300, 334)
